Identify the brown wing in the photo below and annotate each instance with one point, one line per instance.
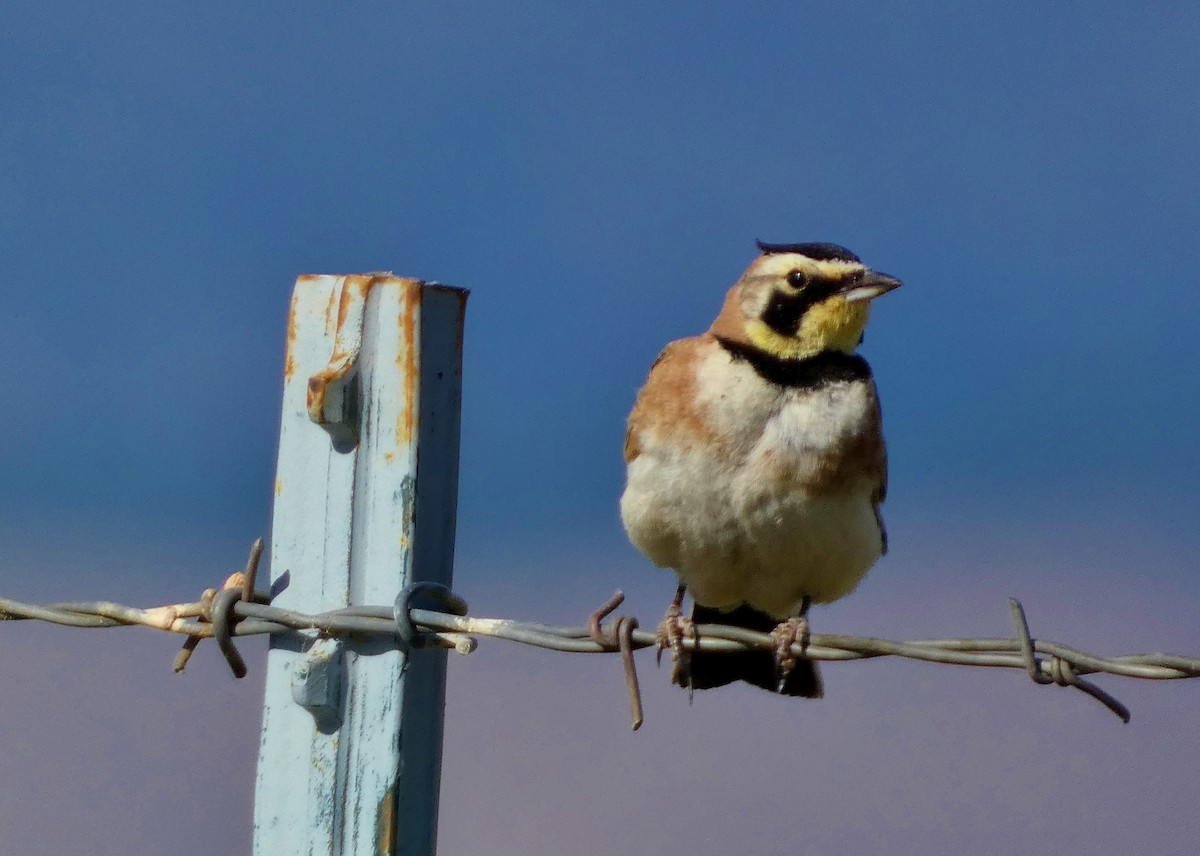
(667, 395)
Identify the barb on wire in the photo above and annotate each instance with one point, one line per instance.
(237, 610)
(620, 638)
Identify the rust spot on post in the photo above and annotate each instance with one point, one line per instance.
(407, 360)
(354, 290)
(356, 286)
(329, 304)
(289, 360)
(385, 834)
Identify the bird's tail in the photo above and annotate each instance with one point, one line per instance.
(710, 670)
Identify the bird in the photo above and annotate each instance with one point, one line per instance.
(756, 464)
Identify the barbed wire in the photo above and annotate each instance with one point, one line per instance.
(236, 609)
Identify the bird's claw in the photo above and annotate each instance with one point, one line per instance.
(784, 636)
(672, 630)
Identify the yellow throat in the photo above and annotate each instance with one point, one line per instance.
(831, 325)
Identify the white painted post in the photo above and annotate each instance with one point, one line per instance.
(365, 497)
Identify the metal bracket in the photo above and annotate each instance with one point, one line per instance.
(333, 393)
(317, 680)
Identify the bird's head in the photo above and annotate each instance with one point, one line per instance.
(797, 300)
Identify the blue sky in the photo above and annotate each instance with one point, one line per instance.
(596, 174)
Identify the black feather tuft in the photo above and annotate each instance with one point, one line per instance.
(818, 252)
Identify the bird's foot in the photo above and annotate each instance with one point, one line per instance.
(794, 631)
(672, 630)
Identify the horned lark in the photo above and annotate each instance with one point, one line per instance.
(756, 462)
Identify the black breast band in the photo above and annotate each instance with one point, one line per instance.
(809, 373)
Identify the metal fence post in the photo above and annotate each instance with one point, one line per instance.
(365, 497)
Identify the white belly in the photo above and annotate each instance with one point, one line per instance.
(757, 525)
(746, 545)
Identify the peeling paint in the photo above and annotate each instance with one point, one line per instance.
(408, 497)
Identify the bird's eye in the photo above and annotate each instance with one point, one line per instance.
(797, 279)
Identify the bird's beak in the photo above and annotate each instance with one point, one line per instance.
(869, 287)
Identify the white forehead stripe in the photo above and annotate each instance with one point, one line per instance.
(780, 264)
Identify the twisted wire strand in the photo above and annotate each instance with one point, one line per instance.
(258, 619)
(239, 611)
